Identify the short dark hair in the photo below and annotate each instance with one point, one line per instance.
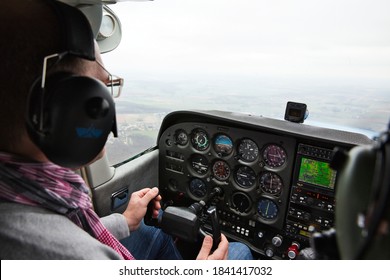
(29, 32)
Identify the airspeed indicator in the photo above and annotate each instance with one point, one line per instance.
(200, 139)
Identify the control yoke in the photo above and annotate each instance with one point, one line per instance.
(185, 223)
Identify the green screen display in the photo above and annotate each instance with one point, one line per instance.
(317, 173)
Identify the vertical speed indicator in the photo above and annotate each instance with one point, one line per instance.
(245, 176)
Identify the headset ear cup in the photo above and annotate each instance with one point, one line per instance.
(38, 100)
(33, 109)
(78, 114)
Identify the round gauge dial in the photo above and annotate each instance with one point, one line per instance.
(200, 140)
(221, 170)
(181, 137)
(245, 176)
(271, 183)
(241, 202)
(248, 150)
(198, 188)
(274, 156)
(267, 209)
(199, 164)
(223, 145)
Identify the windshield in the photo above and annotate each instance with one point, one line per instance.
(252, 56)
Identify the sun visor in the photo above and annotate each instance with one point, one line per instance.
(94, 13)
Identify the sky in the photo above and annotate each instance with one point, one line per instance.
(333, 55)
(335, 38)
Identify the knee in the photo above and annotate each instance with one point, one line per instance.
(239, 251)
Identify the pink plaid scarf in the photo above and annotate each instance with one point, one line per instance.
(56, 188)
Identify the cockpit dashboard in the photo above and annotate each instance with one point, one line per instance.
(277, 187)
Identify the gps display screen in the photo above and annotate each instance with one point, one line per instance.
(317, 173)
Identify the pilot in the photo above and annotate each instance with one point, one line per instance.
(45, 208)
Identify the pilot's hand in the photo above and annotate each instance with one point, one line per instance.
(136, 209)
(220, 253)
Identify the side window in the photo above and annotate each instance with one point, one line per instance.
(137, 132)
(138, 115)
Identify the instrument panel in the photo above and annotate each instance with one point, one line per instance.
(275, 180)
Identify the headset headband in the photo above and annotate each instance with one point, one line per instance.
(76, 32)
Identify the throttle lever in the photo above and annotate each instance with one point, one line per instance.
(148, 218)
(216, 231)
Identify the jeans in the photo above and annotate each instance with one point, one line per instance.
(150, 243)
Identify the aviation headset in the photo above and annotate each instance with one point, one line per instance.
(362, 217)
(69, 116)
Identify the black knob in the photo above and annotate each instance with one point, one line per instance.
(325, 244)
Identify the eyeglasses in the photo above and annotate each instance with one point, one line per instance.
(115, 84)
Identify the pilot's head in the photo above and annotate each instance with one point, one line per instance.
(52, 120)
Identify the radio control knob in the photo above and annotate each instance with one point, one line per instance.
(310, 201)
(293, 250)
(277, 240)
(269, 252)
